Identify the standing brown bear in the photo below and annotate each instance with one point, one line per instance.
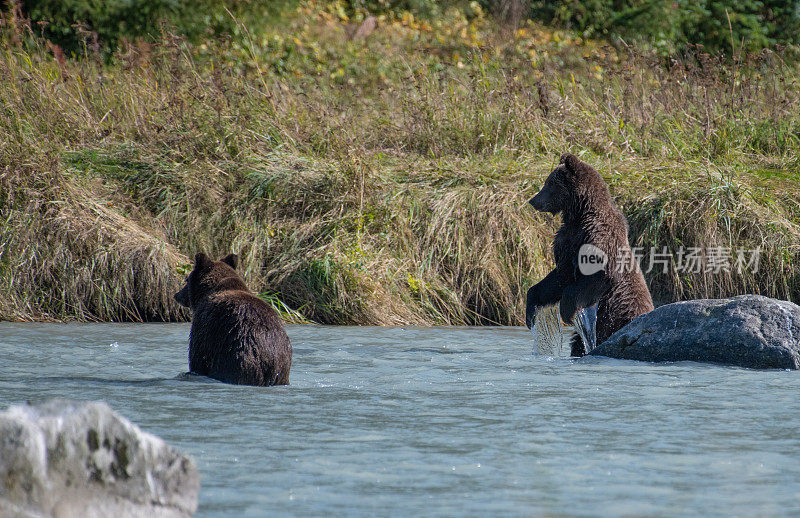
(235, 337)
(594, 262)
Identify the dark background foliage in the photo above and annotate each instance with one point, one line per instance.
(726, 26)
(73, 24)
(671, 24)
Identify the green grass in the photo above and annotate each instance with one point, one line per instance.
(382, 180)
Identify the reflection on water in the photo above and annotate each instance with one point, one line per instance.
(436, 421)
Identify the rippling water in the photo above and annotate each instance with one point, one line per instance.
(436, 421)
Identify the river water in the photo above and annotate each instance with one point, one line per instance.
(436, 421)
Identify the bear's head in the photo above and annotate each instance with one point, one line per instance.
(568, 185)
(209, 277)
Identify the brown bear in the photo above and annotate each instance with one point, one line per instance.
(592, 227)
(235, 336)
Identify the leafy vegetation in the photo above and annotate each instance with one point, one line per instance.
(728, 26)
(377, 172)
(82, 27)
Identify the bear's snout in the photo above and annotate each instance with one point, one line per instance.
(182, 297)
(541, 202)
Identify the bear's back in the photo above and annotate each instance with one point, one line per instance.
(238, 338)
(607, 231)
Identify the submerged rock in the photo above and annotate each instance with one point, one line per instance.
(81, 459)
(747, 331)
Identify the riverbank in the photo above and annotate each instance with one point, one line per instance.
(378, 175)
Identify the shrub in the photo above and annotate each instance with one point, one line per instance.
(669, 25)
(69, 23)
(76, 25)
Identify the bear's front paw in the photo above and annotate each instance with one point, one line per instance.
(530, 307)
(568, 307)
(530, 316)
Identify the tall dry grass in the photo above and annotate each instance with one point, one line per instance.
(378, 181)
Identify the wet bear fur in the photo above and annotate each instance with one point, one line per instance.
(235, 336)
(588, 213)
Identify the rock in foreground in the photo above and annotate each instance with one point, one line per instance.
(77, 459)
(746, 331)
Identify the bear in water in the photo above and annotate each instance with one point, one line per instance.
(594, 262)
(236, 337)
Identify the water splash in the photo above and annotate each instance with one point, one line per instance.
(551, 337)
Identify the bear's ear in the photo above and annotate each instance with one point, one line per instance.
(570, 161)
(231, 260)
(201, 261)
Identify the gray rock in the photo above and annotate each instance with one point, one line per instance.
(746, 331)
(76, 459)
